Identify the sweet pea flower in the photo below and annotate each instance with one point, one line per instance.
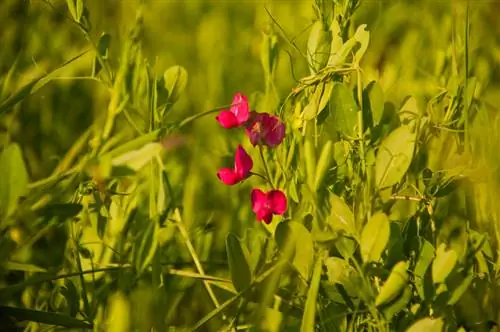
(237, 115)
(265, 205)
(242, 165)
(263, 128)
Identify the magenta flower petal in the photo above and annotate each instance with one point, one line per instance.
(260, 204)
(264, 205)
(227, 119)
(240, 108)
(228, 176)
(277, 201)
(242, 163)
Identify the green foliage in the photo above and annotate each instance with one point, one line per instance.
(111, 214)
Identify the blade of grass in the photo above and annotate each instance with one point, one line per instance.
(44, 317)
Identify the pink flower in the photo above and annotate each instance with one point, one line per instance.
(265, 205)
(266, 129)
(242, 165)
(237, 115)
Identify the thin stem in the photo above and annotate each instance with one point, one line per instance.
(360, 121)
(199, 115)
(195, 258)
(259, 175)
(268, 174)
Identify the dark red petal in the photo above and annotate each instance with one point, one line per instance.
(267, 218)
(277, 201)
(276, 132)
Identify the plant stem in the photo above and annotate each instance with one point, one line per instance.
(268, 174)
(195, 258)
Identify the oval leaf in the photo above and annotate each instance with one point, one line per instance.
(237, 258)
(396, 281)
(295, 241)
(394, 157)
(376, 101)
(374, 237)
(13, 179)
(427, 324)
(341, 216)
(176, 78)
(443, 263)
(344, 110)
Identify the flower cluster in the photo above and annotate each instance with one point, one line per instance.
(262, 129)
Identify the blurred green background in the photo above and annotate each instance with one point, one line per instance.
(414, 46)
(218, 42)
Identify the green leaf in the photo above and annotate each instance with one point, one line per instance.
(103, 50)
(335, 269)
(394, 284)
(363, 37)
(310, 309)
(375, 101)
(344, 110)
(145, 247)
(318, 47)
(13, 179)
(33, 86)
(72, 296)
(44, 317)
(15, 266)
(60, 211)
(409, 111)
(268, 52)
(341, 216)
(295, 242)
(375, 237)
(443, 264)
(75, 8)
(310, 160)
(424, 261)
(460, 289)
(237, 257)
(176, 78)
(324, 162)
(137, 159)
(394, 157)
(398, 305)
(428, 325)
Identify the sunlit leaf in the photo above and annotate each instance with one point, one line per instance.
(13, 179)
(398, 304)
(309, 316)
(443, 263)
(375, 237)
(394, 157)
(394, 284)
(176, 79)
(118, 313)
(341, 216)
(296, 242)
(424, 261)
(344, 109)
(427, 324)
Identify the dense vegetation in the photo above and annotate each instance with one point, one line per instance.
(325, 165)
